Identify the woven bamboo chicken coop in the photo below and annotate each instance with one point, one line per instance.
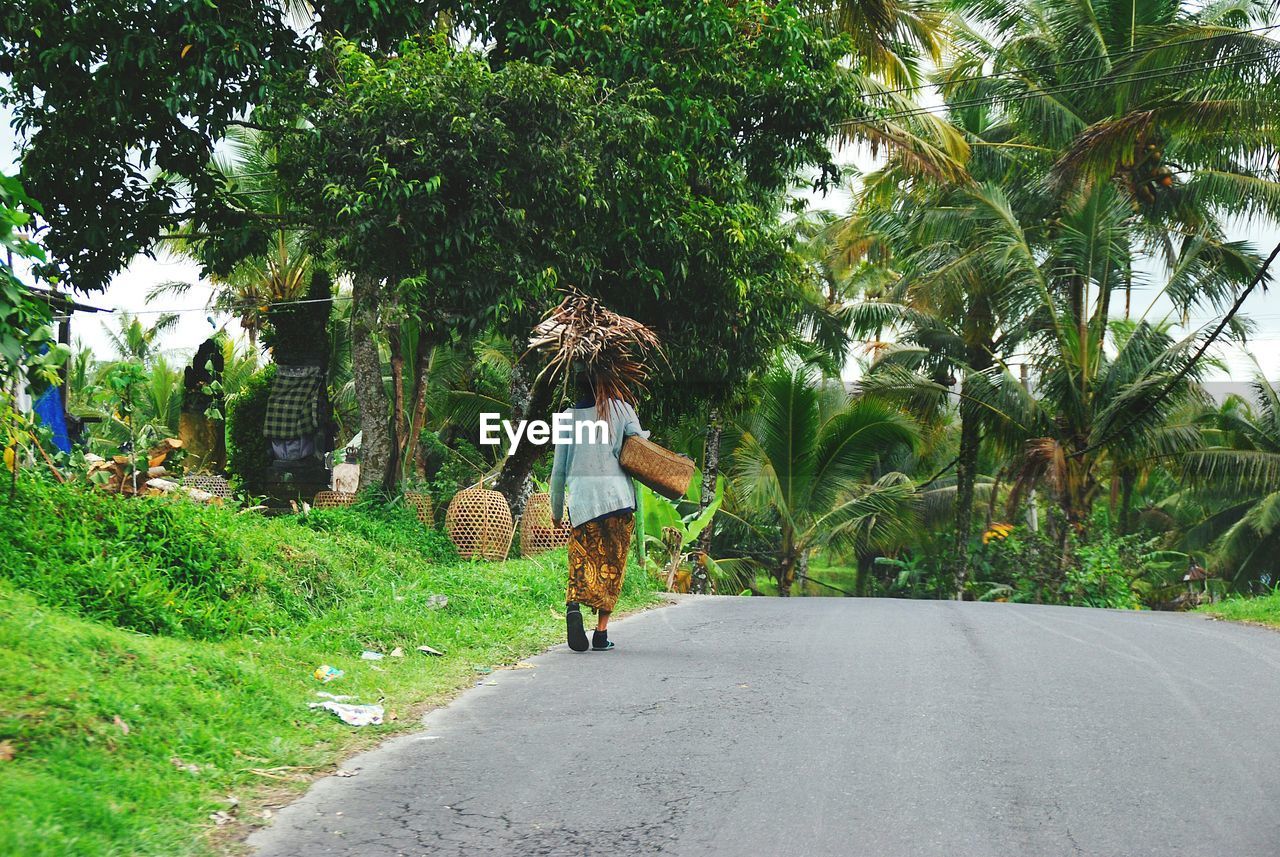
(421, 504)
(479, 524)
(212, 483)
(332, 500)
(537, 533)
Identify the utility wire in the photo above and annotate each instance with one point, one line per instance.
(1134, 77)
(1195, 358)
(997, 75)
(235, 308)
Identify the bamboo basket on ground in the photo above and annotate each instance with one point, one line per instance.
(332, 500)
(665, 472)
(421, 504)
(479, 524)
(537, 532)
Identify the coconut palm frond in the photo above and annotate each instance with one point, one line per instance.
(1235, 470)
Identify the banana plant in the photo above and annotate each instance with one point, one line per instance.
(662, 525)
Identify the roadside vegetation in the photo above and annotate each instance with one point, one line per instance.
(1256, 610)
(988, 376)
(159, 656)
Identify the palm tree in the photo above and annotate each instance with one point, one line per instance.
(280, 271)
(803, 466)
(1047, 235)
(1175, 104)
(133, 340)
(1237, 475)
(948, 308)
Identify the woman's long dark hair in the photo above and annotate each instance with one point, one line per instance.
(587, 388)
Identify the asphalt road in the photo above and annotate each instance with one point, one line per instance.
(753, 726)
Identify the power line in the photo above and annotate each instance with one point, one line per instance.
(1045, 93)
(235, 308)
(1134, 77)
(1190, 364)
(997, 75)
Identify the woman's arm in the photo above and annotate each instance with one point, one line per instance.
(559, 469)
(631, 421)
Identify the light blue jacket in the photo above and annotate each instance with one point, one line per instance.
(590, 470)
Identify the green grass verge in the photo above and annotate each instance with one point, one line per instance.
(114, 741)
(1262, 610)
(842, 581)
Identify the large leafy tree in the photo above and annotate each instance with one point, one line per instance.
(744, 98)
(674, 222)
(457, 196)
(120, 106)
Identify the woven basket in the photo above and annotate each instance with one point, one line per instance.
(422, 505)
(479, 524)
(537, 533)
(332, 500)
(662, 470)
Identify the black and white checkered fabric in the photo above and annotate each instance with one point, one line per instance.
(293, 410)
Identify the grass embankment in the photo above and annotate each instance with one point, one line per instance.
(156, 657)
(1260, 610)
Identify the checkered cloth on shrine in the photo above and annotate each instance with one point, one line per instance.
(293, 409)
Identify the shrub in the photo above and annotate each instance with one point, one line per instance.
(1104, 571)
(459, 465)
(161, 565)
(1014, 563)
(393, 526)
(248, 451)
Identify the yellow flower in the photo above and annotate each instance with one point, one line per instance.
(998, 532)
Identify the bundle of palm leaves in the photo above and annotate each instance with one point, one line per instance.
(581, 334)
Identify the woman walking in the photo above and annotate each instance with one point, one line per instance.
(601, 507)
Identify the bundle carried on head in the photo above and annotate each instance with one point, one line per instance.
(582, 335)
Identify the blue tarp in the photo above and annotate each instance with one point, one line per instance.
(50, 411)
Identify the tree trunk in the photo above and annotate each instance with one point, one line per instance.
(787, 558)
(399, 422)
(710, 470)
(966, 465)
(991, 498)
(412, 451)
(802, 570)
(786, 574)
(671, 540)
(377, 450)
(513, 480)
(1126, 501)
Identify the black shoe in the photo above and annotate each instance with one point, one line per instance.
(573, 622)
(600, 641)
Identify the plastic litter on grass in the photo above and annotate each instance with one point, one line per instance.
(353, 715)
(326, 673)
